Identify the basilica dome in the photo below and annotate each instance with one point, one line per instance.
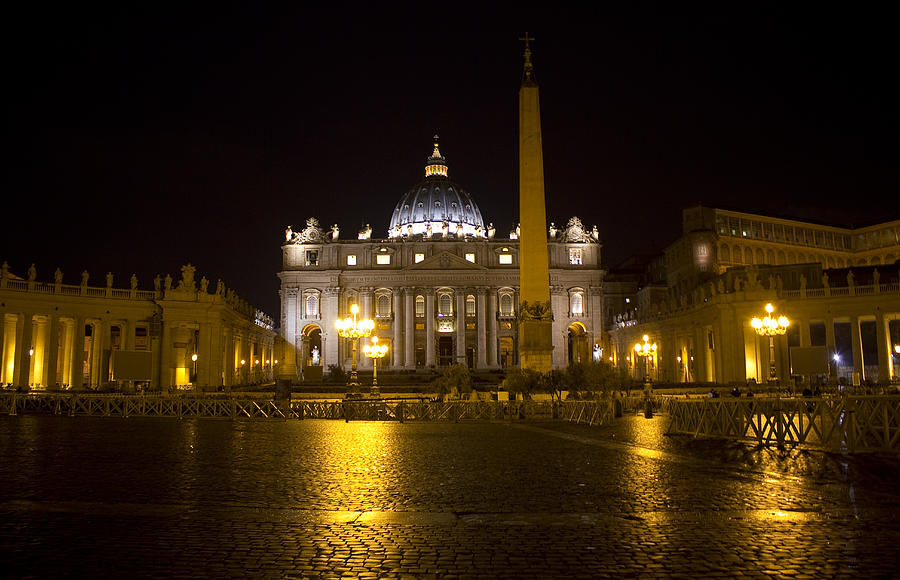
(436, 206)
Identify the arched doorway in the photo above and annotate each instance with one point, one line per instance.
(311, 353)
(579, 350)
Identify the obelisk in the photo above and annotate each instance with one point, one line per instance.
(535, 316)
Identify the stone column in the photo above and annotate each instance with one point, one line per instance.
(429, 327)
(77, 359)
(559, 303)
(228, 361)
(24, 338)
(3, 379)
(103, 344)
(246, 355)
(856, 346)
(289, 314)
(52, 353)
(832, 349)
(803, 325)
(329, 354)
(166, 371)
(366, 310)
(396, 325)
(481, 359)
(208, 362)
(883, 340)
(409, 353)
(492, 344)
(460, 326)
(128, 330)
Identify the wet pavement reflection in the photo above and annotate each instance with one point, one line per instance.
(210, 498)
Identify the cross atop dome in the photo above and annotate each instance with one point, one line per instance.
(436, 164)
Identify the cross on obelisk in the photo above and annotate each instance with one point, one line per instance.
(535, 316)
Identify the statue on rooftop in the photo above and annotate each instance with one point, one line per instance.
(187, 278)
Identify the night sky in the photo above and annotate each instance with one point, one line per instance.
(143, 137)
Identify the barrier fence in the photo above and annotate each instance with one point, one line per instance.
(232, 407)
(842, 423)
(859, 423)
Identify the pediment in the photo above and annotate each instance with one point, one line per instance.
(445, 261)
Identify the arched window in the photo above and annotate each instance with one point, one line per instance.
(470, 305)
(576, 303)
(445, 304)
(312, 305)
(420, 306)
(383, 306)
(506, 305)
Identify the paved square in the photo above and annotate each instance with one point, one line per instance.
(92, 497)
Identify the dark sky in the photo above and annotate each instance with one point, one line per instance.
(143, 137)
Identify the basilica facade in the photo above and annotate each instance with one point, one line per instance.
(442, 285)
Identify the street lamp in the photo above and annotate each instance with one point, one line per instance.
(646, 351)
(771, 327)
(354, 329)
(194, 361)
(375, 351)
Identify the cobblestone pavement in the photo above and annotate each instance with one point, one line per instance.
(91, 497)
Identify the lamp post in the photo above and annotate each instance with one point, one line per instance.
(375, 351)
(354, 329)
(771, 327)
(646, 351)
(194, 369)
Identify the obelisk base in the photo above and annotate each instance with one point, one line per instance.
(536, 345)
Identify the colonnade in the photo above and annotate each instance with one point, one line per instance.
(71, 337)
(714, 342)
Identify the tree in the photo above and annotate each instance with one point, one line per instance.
(595, 377)
(554, 382)
(336, 374)
(524, 381)
(454, 380)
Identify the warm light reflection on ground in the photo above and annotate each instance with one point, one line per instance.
(318, 498)
(359, 452)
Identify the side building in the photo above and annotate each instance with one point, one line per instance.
(837, 286)
(442, 287)
(176, 336)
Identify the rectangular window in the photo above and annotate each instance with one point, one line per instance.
(351, 260)
(312, 258)
(506, 258)
(141, 338)
(383, 259)
(470, 258)
(419, 257)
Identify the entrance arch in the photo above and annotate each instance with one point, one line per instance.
(311, 354)
(578, 348)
